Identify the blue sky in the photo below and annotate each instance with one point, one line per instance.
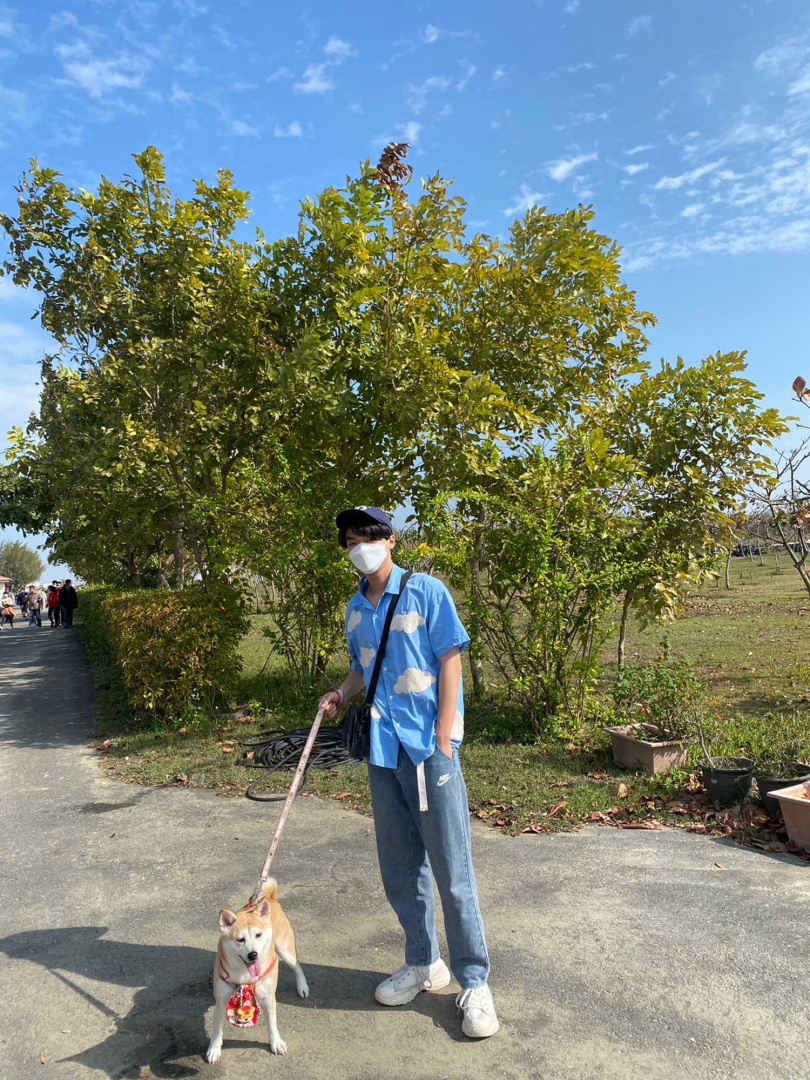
(687, 125)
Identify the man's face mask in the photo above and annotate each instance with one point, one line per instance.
(369, 557)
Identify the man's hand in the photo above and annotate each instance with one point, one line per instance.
(445, 746)
(331, 702)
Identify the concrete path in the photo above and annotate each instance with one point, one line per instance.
(615, 954)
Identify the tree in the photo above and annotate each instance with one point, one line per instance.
(20, 563)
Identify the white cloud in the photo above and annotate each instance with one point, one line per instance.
(631, 170)
(314, 81)
(414, 681)
(408, 622)
(788, 55)
(337, 49)
(672, 183)
(640, 149)
(431, 34)
(667, 79)
(693, 210)
(243, 129)
(801, 85)
(641, 22)
(411, 132)
(417, 94)
(100, 75)
(571, 8)
(354, 620)
(525, 201)
(469, 71)
(498, 73)
(562, 169)
(280, 73)
(366, 656)
(293, 130)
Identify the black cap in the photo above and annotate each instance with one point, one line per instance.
(362, 515)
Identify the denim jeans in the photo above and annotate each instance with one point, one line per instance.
(411, 843)
(67, 616)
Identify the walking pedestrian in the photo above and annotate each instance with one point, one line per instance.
(34, 607)
(421, 812)
(68, 601)
(54, 610)
(7, 607)
(22, 602)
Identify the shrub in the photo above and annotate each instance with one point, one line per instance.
(174, 651)
(666, 696)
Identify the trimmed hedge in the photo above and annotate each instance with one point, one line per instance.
(172, 650)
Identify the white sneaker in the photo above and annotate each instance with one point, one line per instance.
(478, 1007)
(409, 981)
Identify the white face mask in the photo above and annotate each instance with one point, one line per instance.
(368, 557)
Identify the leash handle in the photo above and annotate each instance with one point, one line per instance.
(285, 810)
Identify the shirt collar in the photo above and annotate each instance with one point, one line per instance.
(392, 585)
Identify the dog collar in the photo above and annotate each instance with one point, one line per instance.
(223, 973)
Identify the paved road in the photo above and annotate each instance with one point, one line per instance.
(615, 954)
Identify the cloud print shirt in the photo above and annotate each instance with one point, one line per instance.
(425, 627)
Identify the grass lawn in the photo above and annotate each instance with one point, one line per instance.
(749, 644)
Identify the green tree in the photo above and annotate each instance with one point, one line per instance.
(20, 563)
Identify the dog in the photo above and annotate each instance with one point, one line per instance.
(250, 944)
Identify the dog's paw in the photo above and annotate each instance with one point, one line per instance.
(303, 989)
(213, 1053)
(278, 1046)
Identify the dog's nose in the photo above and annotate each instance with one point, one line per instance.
(253, 955)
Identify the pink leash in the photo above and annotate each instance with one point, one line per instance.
(285, 810)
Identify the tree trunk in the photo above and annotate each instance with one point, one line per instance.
(628, 599)
(179, 555)
(728, 564)
(476, 664)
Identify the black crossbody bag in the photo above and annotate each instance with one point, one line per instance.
(356, 726)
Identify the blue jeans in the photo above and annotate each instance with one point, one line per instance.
(411, 843)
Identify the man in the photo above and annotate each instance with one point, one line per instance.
(421, 812)
(68, 601)
(34, 607)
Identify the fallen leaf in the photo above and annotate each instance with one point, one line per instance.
(66, 1031)
(597, 775)
(42, 1059)
(534, 828)
(250, 755)
(556, 809)
(501, 822)
(613, 810)
(343, 795)
(562, 783)
(105, 745)
(719, 866)
(675, 808)
(182, 731)
(227, 749)
(596, 815)
(181, 778)
(623, 791)
(640, 825)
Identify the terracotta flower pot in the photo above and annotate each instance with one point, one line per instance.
(656, 756)
(795, 803)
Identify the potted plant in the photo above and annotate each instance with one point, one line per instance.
(657, 704)
(772, 776)
(795, 804)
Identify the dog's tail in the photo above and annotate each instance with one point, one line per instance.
(269, 890)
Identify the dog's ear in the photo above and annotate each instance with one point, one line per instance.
(263, 909)
(226, 919)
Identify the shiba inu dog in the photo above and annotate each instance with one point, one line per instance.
(246, 967)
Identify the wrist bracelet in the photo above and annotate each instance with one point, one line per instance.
(341, 694)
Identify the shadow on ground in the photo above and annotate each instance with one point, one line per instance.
(165, 1025)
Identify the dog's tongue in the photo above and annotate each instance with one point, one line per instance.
(255, 969)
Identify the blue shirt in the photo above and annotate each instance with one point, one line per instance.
(425, 627)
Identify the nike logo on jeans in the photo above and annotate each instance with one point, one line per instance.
(443, 779)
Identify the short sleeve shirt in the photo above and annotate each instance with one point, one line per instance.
(424, 628)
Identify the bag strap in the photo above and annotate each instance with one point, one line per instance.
(375, 675)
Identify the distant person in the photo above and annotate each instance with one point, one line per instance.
(54, 610)
(34, 607)
(7, 607)
(22, 602)
(68, 601)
